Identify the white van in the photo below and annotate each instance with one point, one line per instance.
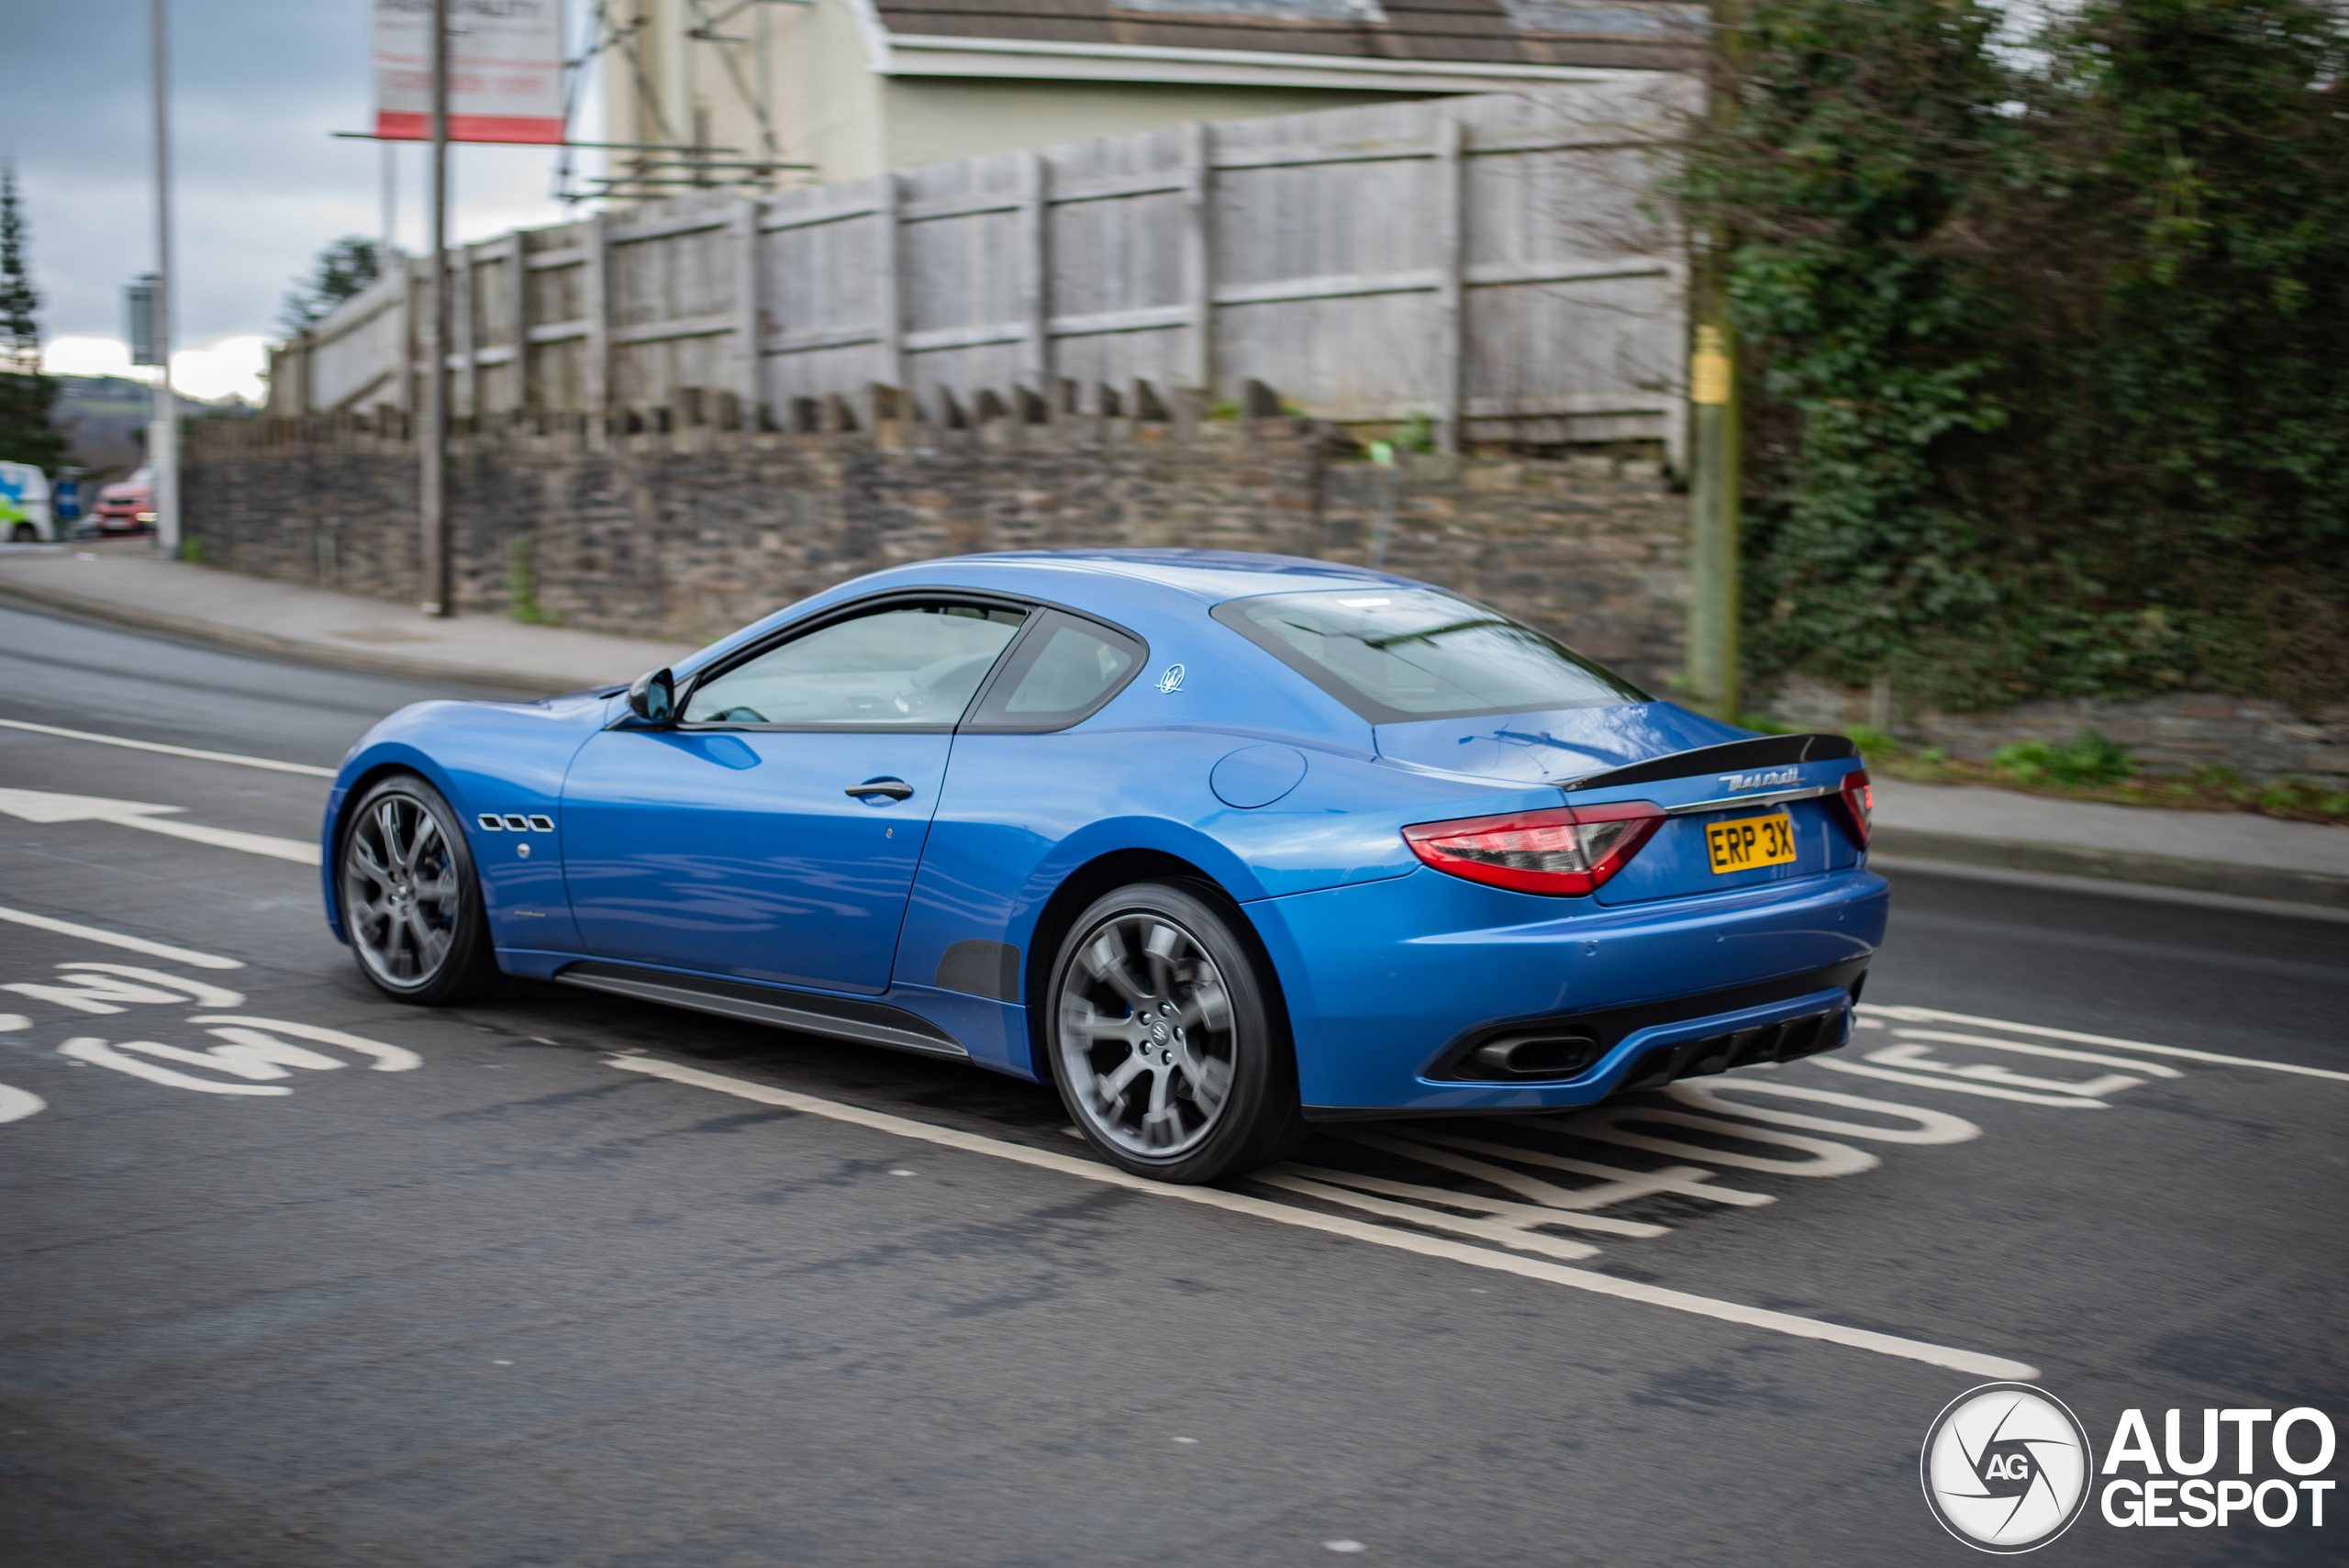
(24, 515)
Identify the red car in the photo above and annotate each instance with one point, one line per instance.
(126, 507)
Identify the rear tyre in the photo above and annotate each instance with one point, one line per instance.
(1164, 1040)
(411, 903)
(24, 533)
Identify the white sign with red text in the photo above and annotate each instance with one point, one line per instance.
(504, 70)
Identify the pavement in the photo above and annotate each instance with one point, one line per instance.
(126, 582)
(2223, 853)
(1988, 831)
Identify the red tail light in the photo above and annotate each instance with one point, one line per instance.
(1559, 850)
(1858, 802)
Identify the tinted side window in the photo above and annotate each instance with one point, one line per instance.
(1062, 671)
(910, 666)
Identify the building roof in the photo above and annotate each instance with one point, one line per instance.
(1503, 34)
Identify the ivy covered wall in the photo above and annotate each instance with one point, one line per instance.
(2048, 380)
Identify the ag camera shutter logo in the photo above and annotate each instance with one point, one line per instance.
(2006, 1468)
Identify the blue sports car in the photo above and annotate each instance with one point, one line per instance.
(1219, 844)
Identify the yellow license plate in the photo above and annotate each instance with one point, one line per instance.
(1751, 841)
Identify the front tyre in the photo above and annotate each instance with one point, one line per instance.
(411, 903)
(1164, 1042)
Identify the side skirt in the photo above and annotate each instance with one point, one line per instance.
(870, 1023)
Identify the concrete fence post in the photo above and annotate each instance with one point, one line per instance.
(749, 312)
(596, 389)
(889, 283)
(1198, 252)
(1036, 271)
(1451, 299)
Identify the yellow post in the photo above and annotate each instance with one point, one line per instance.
(1717, 479)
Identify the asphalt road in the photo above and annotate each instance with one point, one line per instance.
(484, 1286)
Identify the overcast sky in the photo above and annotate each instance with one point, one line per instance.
(260, 187)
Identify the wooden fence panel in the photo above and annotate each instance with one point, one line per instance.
(964, 257)
(1489, 263)
(359, 364)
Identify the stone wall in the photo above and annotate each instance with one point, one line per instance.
(691, 532)
(2175, 733)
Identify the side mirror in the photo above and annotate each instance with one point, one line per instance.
(653, 697)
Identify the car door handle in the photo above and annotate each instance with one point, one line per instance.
(896, 789)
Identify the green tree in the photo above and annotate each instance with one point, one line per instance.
(1862, 132)
(2050, 385)
(29, 431)
(2196, 406)
(343, 270)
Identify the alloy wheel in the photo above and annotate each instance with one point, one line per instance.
(1146, 1037)
(401, 891)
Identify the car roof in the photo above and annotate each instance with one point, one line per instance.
(1115, 583)
(1210, 577)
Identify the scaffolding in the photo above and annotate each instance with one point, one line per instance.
(684, 155)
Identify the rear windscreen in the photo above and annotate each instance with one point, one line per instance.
(1397, 655)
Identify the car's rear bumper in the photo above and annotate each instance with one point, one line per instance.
(1385, 981)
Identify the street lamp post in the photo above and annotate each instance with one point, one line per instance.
(163, 429)
(432, 505)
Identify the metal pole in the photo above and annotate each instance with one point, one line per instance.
(163, 427)
(1713, 505)
(433, 504)
(1716, 489)
(391, 194)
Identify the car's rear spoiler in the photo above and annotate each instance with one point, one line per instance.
(1759, 754)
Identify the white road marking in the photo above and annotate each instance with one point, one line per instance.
(1517, 1214)
(98, 1053)
(1932, 1127)
(388, 1058)
(18, 1104)
(1546, 1202)
(14, 1021)
(91, 993)
(1987, 1091)
(2150, 1069)
(1934, 1015)
(1970, 1362)
(1291, 1179)
(1827, 1158)
(255, 1055)
(42, 806)
(1919, 1058)
(197, 991)
(270, 763)
(253, 1051)
(101, 988)
(116, 938)
(1616, 1185)
(299, 851)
